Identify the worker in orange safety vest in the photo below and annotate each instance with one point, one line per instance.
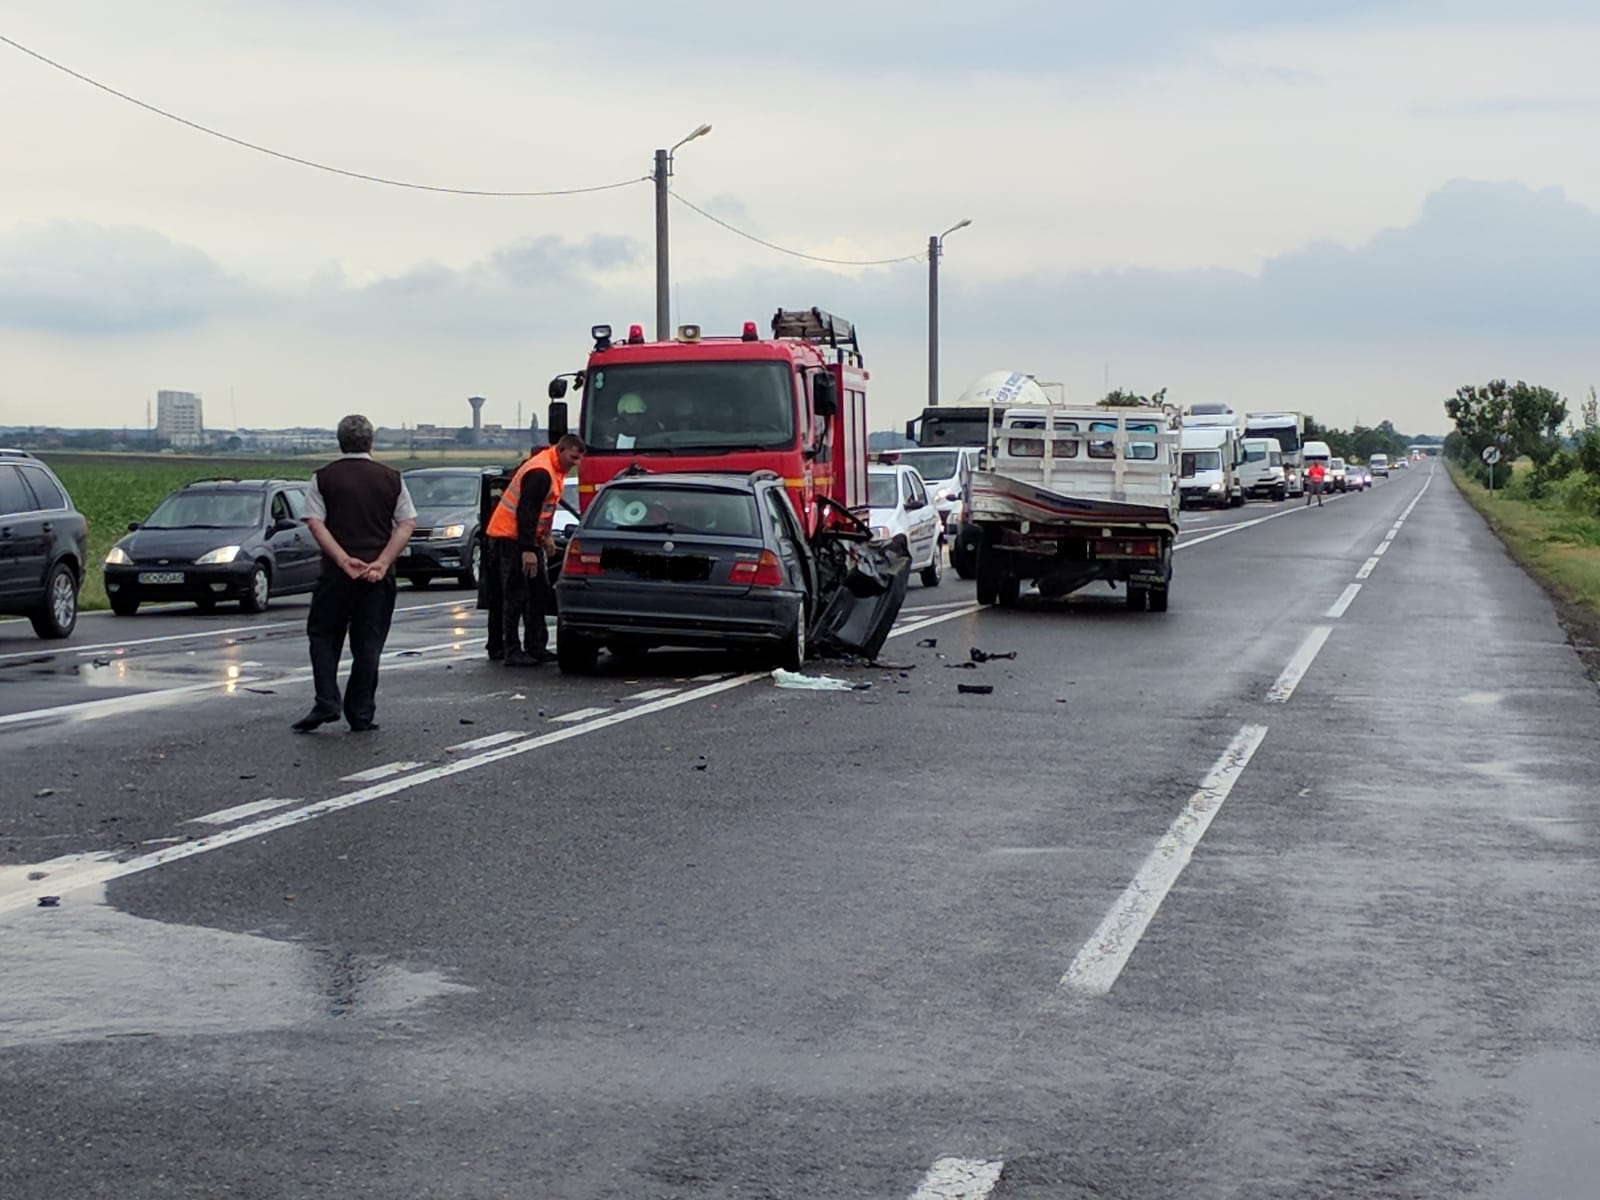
(520, 546)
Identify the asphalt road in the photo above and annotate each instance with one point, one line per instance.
(1288, 892)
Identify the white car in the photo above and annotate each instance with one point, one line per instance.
(945, 470)
(901, 506)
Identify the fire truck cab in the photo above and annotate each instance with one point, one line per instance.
(794, 403)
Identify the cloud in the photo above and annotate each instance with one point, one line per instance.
(86, 279)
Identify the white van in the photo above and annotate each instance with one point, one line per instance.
(1379, 464)
(944, 470)
(1208, 466)
(1261, 472)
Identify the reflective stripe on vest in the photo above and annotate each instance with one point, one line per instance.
(503, 521)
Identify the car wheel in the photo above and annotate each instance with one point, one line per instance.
(930, 573)
(124, 606)
(575, 654)
(260, 593)
(792, 654)
(418, 581)
(57, 614)
(474, 572)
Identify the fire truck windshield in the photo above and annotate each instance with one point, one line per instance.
(681, 407)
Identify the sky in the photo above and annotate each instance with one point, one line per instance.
(1347, 209)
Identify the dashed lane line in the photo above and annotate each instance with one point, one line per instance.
(382, 771)
(1097, 965)
(483, 743)
(581, 714)
(1280, 691)
(227, 816)
(1344, 601)
(959, 1179)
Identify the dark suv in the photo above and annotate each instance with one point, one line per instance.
(43, 546)
(218, 539)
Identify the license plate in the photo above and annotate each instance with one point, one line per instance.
(160, 576)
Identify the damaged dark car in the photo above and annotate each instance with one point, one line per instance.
(721, 562)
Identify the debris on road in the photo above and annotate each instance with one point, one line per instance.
(49, 901)
(930, 643)
(813, 683)
(975, 689)
(966, 666)
(979, 656)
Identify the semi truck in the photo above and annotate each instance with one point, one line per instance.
(1288, 429)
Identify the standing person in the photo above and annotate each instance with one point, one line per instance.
(1315, 474)
(362, 516)
(521, 539)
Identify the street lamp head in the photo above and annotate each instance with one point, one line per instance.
(961, 224)
(700, 132)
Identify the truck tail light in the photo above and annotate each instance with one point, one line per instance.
(576, 563)
(765, 571)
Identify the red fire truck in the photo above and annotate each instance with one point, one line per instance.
(794, 403)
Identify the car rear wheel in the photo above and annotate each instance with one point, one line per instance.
(575, 654)
(57, 614)
(930, 573)
(792, 655)
(260, 593)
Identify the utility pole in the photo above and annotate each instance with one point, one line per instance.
(935, 250)
(660, 175)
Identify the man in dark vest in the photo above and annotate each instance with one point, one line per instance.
(362, 516)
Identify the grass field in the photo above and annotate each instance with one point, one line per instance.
(113, 489)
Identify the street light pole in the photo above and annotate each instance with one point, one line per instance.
(661, 173)
(935, 250)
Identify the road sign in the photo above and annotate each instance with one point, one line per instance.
(1491, 455)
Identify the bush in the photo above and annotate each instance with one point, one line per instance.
(1479, 470)
(1587, 451)
(1579, 492)
(1540, 480)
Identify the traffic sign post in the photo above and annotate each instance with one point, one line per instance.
(1491, 455)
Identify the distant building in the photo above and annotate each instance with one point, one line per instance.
(178, 419)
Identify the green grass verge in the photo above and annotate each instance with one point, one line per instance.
(113, 489)
(1559, 546)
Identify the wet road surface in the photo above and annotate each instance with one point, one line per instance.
(1287, 892)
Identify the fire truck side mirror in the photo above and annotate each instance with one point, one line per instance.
(556, 422)
(558, 387)
(824, 394)
(911, 429)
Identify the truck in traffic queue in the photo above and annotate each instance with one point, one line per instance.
(793, 402)
(1261, 473)
(1288, 429)
(966, 423)
(1066, 496)
(1209, 466)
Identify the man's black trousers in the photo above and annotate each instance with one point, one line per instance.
(341, 606)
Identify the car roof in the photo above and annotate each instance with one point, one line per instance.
(727, 482)
(239, 485)
(451, 470)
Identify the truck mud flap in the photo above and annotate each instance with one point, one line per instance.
(860, 587)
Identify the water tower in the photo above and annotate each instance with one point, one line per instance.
(477, 417)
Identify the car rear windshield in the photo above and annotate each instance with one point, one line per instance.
(680, 510)
(443, 491)
(206, 510)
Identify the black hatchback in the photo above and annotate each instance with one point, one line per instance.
(43, 546)
(707, 561)
(217, 539)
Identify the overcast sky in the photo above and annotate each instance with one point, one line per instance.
(1351, 208)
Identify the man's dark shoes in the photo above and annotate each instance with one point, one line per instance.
(312, 719)
(363, 726)
(543, 656)
(519, 658)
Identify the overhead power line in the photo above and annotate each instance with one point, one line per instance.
(841, 262)
(306, 162)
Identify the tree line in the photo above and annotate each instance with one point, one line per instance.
(1524, 421)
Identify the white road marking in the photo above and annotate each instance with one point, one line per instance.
(1343, 602)
(483, 743)
(1236, 528)
(1382, 546)
(227, 816)
(652, 694)
(582, 714)
(1280, 691)
(959, 1179)
(1367, 568)
(921, 608)
(373, 774)
(92, 869)
(1098, 964)
(913, 626)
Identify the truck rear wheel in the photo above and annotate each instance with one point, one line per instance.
(1010, 587)
(1138, 595)
(989, 570)
(1158, 599)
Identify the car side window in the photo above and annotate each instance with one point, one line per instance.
(44, 488)
(781, 516)
(14, 494)
(919, 493)
(280, 507)
(296, 499)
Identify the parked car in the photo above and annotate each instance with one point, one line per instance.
(216, 540)
(1337, 475)
(711, 561)
(447, 540)
(44, 544)
(901, 507)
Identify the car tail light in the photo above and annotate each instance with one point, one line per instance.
(765, 571)
(578, 563)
